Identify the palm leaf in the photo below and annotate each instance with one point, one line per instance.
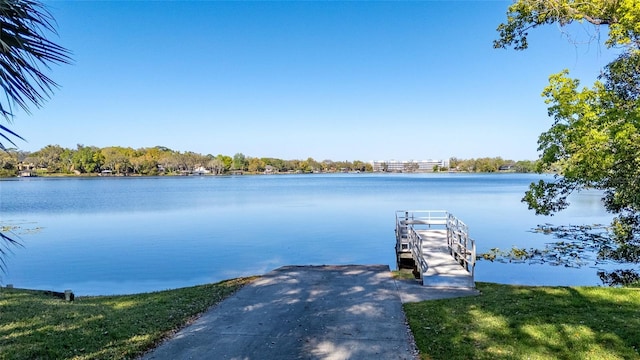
(5, 243)
(24, 50)
(4, 129)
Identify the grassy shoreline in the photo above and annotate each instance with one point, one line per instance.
(529, 322)
(34, 325)
(504, 322)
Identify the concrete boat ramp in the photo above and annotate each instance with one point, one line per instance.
(336, 312)
(308, 312)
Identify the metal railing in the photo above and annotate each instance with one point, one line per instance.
(415, 241)
(423, 217)
(461, 247)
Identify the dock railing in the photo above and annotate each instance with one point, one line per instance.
(409, 219)
(415, 241)
(422, 217)
(461, 247)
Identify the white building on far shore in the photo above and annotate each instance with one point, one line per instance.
(408, 166)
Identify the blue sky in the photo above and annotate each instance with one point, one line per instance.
(291, 80)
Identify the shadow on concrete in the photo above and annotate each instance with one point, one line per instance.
(304, 312)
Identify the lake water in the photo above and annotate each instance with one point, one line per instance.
(126, 235)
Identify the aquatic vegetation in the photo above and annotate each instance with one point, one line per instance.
(576, 246)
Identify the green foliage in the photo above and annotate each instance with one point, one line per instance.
(8, 164)
(115, 158)
(37, 326)
(521, 322)
(525, 166)
(85, 159)
(239, 162)
(490, 165)
(255, 165)
(594, 141)
(159, 160)
(51, 158)
(226, 161)
(621, 16)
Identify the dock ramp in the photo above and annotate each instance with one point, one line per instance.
(437, 246)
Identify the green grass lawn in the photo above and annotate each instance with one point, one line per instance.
(523, 322)
(37, 326)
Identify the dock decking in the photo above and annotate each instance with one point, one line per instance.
(437, 246)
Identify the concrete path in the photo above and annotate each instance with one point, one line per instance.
(307, 312)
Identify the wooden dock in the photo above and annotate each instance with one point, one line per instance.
(437, 246)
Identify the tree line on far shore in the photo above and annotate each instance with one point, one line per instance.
(159, 160)
(488, 165)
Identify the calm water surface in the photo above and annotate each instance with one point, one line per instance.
(126, 235)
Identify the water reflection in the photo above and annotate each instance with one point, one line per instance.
(118, 235)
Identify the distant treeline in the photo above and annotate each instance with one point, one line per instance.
(488, 165)
(159, 160)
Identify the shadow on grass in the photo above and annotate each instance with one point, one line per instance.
(34, 325)
(521, 322)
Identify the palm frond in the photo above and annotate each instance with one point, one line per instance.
(24, 51)
(5, 243)
(4, 129)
